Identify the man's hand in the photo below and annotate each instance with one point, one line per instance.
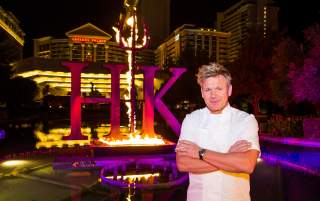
(240, 146)
(187, 148)
(187, 158)
(238, 159)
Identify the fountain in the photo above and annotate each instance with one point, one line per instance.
(134, 158)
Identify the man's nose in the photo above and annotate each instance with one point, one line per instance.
(213, 93)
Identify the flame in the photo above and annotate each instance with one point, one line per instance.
(134, 140)
(130, 21)
(115, 29)
(129, 81)
(54, 138)
(127, 43)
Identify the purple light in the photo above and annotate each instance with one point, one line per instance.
(291, 141)
(278, 160)
(2, 134)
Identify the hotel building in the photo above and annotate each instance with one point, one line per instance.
(86, 43)
(246, 17)
(205, 41)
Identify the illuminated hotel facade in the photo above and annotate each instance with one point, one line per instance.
(257, 16)
(12, 34)
(86, 43)
(51, 72)
(205, 41)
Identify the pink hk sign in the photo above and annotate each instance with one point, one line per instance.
(151, 100)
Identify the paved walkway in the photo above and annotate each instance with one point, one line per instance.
(35, 180)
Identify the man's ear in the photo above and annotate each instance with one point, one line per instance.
(230, 90)
(201, 91)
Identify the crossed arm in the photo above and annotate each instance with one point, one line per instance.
(193, 165)
(238, 159)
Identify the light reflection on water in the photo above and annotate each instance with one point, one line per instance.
(136, 176)
(276, 182)
(45, 134)
(143, 173)
(299, 158)
(98, 135)
(282, 183)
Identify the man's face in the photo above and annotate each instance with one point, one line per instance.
(215, 92)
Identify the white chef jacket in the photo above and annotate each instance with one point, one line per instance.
(217, 132)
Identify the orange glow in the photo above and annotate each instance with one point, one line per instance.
(130, 21)
(135, 140)
(68, 75)
(54, 138)
(14, 163)
(135, 177)
(62, 143)
(63, 80)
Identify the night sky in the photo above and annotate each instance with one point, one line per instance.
(55, 17)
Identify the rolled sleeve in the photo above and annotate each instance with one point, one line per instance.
(187, 129)
(249, 132)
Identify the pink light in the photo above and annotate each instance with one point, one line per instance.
(150, 101)
(115, 97)
(75, 113)
(162, 108)
(148, 107)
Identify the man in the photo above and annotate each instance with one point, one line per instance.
(218, 144)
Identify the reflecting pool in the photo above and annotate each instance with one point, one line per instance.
(284, 173)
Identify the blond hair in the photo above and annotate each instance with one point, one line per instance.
(212, 70)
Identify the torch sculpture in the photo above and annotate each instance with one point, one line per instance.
(131, 37)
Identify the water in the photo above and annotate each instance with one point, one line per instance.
(18, 138)
(286, 173)
(269, 182)
(305, 159)
(280, 183)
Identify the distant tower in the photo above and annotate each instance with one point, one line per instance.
(245, 16)
(156, 14)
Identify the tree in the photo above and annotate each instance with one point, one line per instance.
(305, 80)
(21, 93)
(8, 53)
(287, 51)
(252, 70)
(5, 75)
